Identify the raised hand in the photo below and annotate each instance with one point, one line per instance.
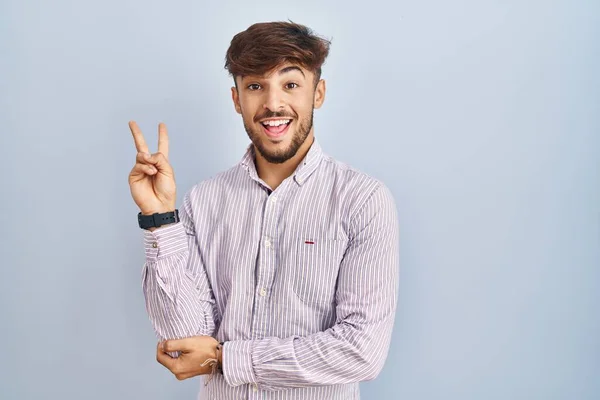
(152, 181)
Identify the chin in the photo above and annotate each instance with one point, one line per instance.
(276, 152)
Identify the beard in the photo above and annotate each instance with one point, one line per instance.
(279, 157)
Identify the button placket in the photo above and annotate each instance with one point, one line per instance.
(267, 263)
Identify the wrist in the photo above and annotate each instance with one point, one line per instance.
(160, 210)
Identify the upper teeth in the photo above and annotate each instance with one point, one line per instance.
(276, 122)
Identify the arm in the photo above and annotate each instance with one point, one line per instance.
(355, 348)
(178, 295)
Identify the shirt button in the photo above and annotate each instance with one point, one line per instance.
(263, 292)
(273, 199)
(254, 388)
(268, 242)
(155, 245)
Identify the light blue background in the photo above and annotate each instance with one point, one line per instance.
(483, 117)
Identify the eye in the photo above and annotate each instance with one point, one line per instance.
(254, 86)
(291, 85)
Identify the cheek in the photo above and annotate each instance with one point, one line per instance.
(303, 110)
(246, 114)
(248, 108)
(247, 117)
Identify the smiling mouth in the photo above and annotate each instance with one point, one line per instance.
(276, 127)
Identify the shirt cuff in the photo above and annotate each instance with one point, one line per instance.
(165, 241)
(237, 363)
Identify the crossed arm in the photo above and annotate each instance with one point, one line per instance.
(180, 305)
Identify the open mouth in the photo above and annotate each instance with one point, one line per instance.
(276, 127)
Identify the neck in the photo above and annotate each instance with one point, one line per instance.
(274, 174)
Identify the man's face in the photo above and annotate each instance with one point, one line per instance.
(277, 109)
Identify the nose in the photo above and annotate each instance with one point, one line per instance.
(273, 100)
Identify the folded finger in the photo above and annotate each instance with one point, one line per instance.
(144, 169)
(143, 158)
(160, 162)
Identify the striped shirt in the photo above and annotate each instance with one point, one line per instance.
(299, 282)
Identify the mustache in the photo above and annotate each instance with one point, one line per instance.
(276, 114)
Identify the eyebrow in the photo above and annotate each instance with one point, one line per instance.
(289, 69)
(284, 71)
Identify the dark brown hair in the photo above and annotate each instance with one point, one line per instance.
(266, 45)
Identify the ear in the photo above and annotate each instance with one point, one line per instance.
(320, 93)
(236, 99)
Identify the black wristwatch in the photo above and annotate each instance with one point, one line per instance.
(155, 220)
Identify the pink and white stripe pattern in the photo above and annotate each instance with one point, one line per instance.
(300, 282)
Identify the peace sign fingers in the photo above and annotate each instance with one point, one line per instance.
(152, 181)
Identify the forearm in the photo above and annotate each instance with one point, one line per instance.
(172, 301)
(177, 304)
(340, 355)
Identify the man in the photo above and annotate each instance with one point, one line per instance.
(277, 279)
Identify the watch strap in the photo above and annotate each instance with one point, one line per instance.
(158, 219)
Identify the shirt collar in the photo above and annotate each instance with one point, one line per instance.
(304, 170)
(309, 164)
(248, 162)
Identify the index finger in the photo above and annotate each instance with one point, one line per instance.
(138, 138)
(163, 140)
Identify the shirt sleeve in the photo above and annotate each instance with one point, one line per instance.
(178, 296)
(355, 348)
